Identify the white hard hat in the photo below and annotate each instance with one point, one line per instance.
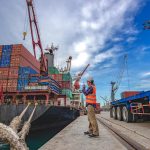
(89, 78)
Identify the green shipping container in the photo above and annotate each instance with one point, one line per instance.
(53, 70)
(67, 77)
(67, 92)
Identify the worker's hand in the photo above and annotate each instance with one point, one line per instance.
(83, 86)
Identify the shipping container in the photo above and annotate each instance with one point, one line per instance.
(17, 55)
(53, 70)
(24, 58)
(23, 78)
(9, 85)
(6, 56)
(129, 93)
(57, 77)
(67, 92)
(65, 84)
(66, 77)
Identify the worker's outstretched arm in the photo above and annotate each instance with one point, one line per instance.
(87, 91)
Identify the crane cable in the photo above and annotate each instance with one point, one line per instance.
(128, 75)
(25, 25)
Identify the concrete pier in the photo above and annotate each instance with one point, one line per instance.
(72, 138)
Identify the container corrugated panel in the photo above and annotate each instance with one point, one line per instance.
(6, 56)
(9, 85)
(9, 73)
(0, 51)
(4, 73)
(24, 79)
(55, 89)
(1, 48)
(129, 93)
(26, 58)
(65, 84)
(67, 92)
(33, 84)
(22, 82)
(57, 77)
(34, 79)
(66, 77)
(53, 70)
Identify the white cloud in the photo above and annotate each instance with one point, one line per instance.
(80, 60)
(131, 39)
(145, 74)
(109, 54)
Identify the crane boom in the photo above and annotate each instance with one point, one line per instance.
(76, 83)
(81, 73)
(36, 40)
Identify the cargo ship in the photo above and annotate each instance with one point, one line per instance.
(21, 83)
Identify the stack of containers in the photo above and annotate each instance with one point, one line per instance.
(8, 76)
(51, 83)
(12, 59)
(23, 79)
(6, 55)
(22, 57)
(53, 70)
(66, 85)
(33, 79)
(0, 51)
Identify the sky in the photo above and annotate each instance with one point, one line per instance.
(97, 32)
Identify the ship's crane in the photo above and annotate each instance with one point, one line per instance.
(36, 40)
(115, 85)
(76, 83)
(69, 63)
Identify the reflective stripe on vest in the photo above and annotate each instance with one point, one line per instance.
(91, 98)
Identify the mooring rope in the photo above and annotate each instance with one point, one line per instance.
(15, 123)
(25, 130)
(10, 135)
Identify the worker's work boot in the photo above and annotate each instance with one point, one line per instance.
(87, 133)
(93, 135)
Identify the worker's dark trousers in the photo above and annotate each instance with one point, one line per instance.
(93, 127)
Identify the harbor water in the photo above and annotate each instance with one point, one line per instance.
(36, 139)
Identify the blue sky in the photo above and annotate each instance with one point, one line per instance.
(98, 32)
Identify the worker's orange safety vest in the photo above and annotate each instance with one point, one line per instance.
(91, 98)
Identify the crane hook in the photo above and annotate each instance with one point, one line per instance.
(24, 35)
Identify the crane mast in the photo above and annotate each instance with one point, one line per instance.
(36, 40)
(115, 85)
(69, 63)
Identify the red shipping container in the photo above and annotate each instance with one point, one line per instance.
(33, 84)
(0, 50)
(13, 72)
(9, 85)
(65, 84)
(57, 77)
(22, 57)
(7, 73)
(3, 73)
(129, 93)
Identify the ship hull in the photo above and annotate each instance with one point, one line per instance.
(44, 116)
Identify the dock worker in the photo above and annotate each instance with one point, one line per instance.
(90, 94)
